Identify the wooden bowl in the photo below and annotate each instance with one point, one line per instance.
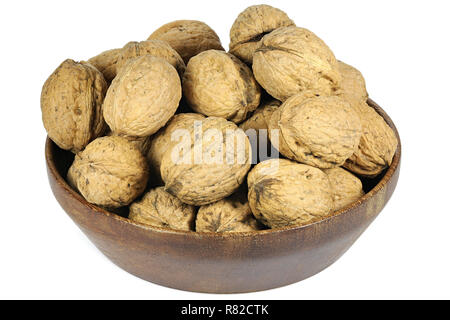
(222, 263)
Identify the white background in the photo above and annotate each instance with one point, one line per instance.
(402, 48)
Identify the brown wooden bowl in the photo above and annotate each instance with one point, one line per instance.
(222, 263)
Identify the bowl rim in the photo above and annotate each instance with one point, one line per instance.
(49, 145)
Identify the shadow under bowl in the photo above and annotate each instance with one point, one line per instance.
(222, 263)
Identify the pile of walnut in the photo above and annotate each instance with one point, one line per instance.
(118, 112)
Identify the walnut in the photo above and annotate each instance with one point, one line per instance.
(232, 214)
(110, 172)
(261, 117)
(162, 141)
(188, 37)
(209, 165)
(251, 25)
(106, 63)
(321, 131)
(71, 105)
(218, 84)
(161, 209)
(254, 128)
(377, 146)
(378, 141)
(346, 187)
(143, 97)
(154, 48)
(142, 143)
(291, 60)
(353, 85)
(285, 193)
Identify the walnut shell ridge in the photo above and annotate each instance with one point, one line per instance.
(207, 171)
(160, 143)
(251, 25)
(71, 105)
(159, 208)
(346, 187)
(291, 60)
(321, 131)
(155, 48)
(110, 172)
(143, 97)
(232, 214)
(188, 37)
(218, 84)
(285, 193)
(106, 63)
(377, 146)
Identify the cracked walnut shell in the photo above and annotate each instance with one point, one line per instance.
(155, 48)
(143, 97)
(251, 25)
(159, 208)
(321, 131)
(285, 193)
(110, 172)
(377, 146)
(71, 105)
(346, 187)
(188, 37)
(218, 84)
(232, 214)
(291, 60)
(209, 165)
(106, 63)
(160, 143)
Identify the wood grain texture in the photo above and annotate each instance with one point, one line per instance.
(222, 263)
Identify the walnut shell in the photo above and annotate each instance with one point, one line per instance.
(106, 63)
(251, 25)
(377, 146)
(261, 116)
(110, 172)
(254, 126)
(291, 60)
(71, 105)
(161, 209)
(346, 187)
(154, 48)
(188, 37)
(218, 84)
(204, 171)
(143, 97)
(142, 143)
(162, 140)
(321, 131)
(353, 85)
(232, 214)
(285, 193)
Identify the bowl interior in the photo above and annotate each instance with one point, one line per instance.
(60, 161)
